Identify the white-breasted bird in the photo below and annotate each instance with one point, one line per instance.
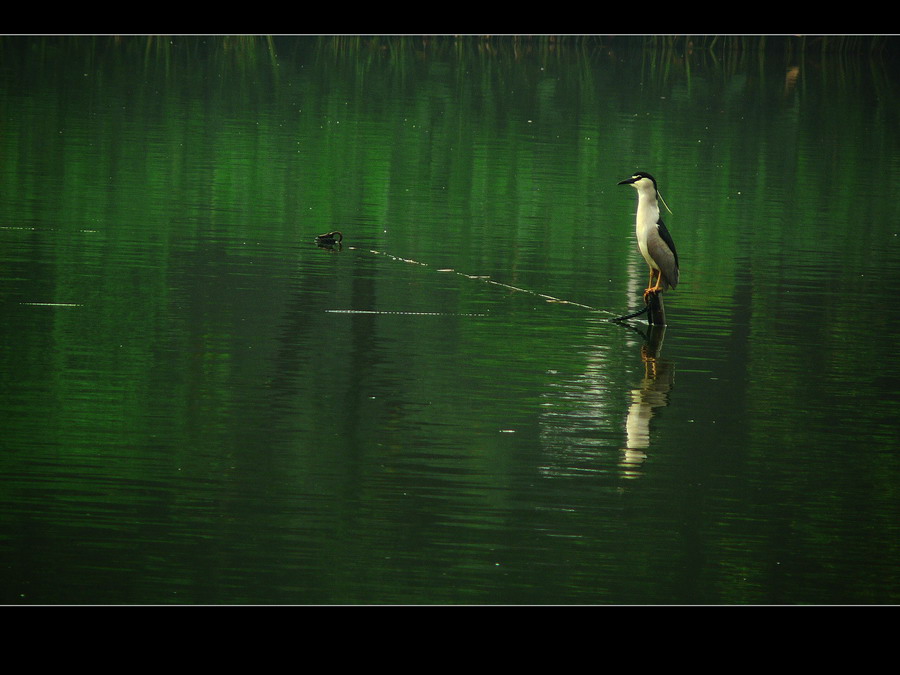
(654, 241)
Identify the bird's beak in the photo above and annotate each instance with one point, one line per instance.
(627, 181)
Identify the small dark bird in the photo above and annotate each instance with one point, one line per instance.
(330, 239)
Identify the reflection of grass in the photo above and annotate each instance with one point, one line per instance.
(664, 59)
(241, 49)
(662, 45)
(723, 44)
(251, 47)
(155, 49)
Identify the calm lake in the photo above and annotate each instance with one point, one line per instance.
(200, 405)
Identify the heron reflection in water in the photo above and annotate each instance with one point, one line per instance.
(651, 393)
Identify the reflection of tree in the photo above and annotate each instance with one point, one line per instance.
(652, 392)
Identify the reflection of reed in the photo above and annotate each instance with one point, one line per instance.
(664, 48)
(664, 54)
(651, 393)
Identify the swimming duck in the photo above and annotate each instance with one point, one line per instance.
(330, 238)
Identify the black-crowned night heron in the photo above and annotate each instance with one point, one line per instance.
(654, 241)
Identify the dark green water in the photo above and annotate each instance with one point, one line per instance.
(200, 405)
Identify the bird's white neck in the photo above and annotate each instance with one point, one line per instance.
(648, 208)
(647, 217)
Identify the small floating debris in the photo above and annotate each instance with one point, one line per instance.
(485, 278)
(512, 288)
(395, 312)
(52, 304)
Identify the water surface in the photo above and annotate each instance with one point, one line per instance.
(200, 405)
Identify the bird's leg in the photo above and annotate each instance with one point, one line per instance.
(650, 287)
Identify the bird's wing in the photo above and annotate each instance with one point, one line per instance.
(666, 237)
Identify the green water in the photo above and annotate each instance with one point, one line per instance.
(200, 405)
